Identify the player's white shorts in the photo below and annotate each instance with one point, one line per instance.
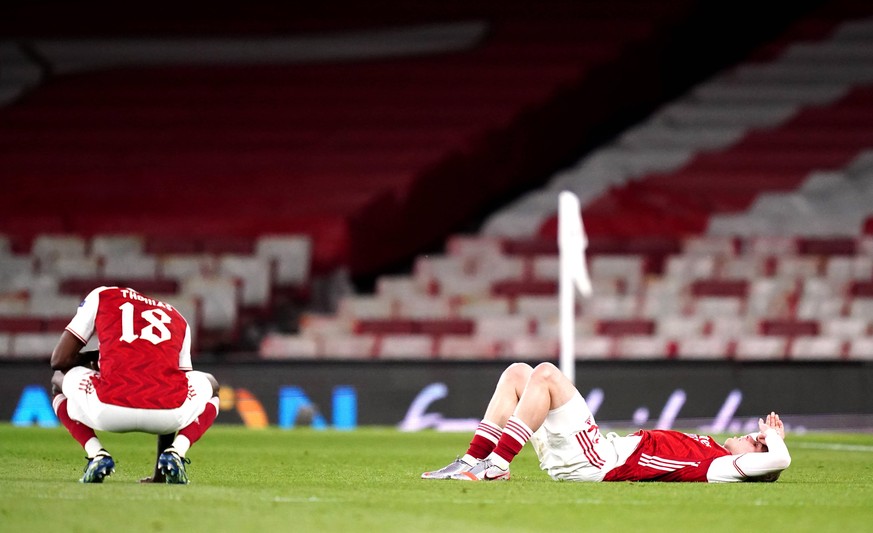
(570, 446)
(87, 408)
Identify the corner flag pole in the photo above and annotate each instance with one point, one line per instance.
(573, 275)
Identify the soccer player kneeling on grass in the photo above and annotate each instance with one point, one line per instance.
(140, 379)
(541, 405)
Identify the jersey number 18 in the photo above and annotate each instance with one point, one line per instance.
(155, 332)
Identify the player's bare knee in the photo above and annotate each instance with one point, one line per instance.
(517, 373)
(546, 372)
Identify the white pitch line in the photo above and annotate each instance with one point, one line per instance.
(834, 447)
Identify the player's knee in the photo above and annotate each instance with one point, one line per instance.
(547, 372)
(57, 382)
(213, 382)
(518, 372)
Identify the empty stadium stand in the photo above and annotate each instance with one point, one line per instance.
(197, 151)
(753, 193)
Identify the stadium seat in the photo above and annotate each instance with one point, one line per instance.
(756, 348)
(788, 328)
(737, 288)
(180, 267)
(502, 327)
(629, 269)
(33, 345)
(539, 307)
(131, 267)
(463, 287)
(361, 307)
(438, 327)
(20, 324)
(48, 247)
(770, 297)
(106, 245)
(254, 274)
(317, 325)
(821, 308)
(846, 327)
(408, 346)
(395, 286)
(857, 267)
(514, 288)
(14, 304)
(288, 346)
(348, 347)
(861, 306)
(680, 326)
(861, 348)
(466, 347)
(54, 305)
(593, 347)
(717, 307)
(473, 246)
(425, 307)
(530, 348)
(81, 287)
(798, 267)
(816, 348)
(618, 327)
(744, 266)
(611, 307)
(690, 267)
(545, 267)
(642, 347)
(490, 306)
(703, 348)
(220, 302)
(292, 255)
(384, 326)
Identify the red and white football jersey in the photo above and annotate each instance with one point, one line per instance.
(145, 348)
(665, 455)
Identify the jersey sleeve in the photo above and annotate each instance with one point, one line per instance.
(185, 352)
(82, 324)
(732, 468)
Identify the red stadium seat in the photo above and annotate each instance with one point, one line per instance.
(617, 327)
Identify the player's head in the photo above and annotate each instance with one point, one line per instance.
(751, 443)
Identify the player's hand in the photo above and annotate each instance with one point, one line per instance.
(772, 422)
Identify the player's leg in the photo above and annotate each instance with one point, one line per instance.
(164, 442)
(503, 402)
(100, 463)
(546, 389)
(172, 461)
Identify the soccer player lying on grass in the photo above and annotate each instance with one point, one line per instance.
(541, 405)
(139, 380)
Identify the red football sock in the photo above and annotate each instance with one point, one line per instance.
(515, 434)
(484, 440)
(198, 427)
(78, 430)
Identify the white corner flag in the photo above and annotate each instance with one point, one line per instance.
(573, 275)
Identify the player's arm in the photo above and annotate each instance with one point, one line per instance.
(755, 466)
(67, 353)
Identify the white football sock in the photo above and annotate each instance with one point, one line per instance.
(92, 447)
(181, 445)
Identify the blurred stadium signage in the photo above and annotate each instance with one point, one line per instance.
(718, 396)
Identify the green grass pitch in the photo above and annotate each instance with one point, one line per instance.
(368, 480)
